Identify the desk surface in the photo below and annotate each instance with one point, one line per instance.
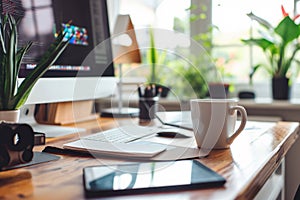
(249, 162)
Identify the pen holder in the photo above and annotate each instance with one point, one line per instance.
(148, 107)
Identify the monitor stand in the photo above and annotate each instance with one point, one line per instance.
(27, 116)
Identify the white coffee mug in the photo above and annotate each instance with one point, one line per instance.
(214, 122)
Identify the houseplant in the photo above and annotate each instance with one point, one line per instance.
(280, 46)
(12, 95)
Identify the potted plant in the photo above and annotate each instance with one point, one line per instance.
(12, 94)
(280, 46)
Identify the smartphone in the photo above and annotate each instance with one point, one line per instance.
(146, 177)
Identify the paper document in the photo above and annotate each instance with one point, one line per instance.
(133, 149)
(180, 119)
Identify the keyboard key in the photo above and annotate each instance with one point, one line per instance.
(122, 134)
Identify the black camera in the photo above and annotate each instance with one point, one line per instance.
(17, 142)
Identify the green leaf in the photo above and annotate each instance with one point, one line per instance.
(289, 61)
(46, 61)
(4, 20)
(20, 55)
(288, 30)
(254, 69)
(153, 57)
(262, 43)
(9, 85)
(12, 55)
(261, 21)
(10, 60)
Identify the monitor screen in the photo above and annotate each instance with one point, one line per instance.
(84, 20)
(85, 69)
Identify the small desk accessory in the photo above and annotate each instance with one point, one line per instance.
(148, 98)
(246, 95)
(16, 146)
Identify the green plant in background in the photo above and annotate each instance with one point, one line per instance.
(155, 59)
(194, 78)
(188, 79)
(195, 72)
(12, 95)
(279, 44)
(152, 57)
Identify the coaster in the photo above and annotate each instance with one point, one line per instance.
(38, 157)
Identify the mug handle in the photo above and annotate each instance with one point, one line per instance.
(243, 113)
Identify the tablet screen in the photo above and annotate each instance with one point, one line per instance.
(150, 176)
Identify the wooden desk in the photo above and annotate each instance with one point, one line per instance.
(247, 165)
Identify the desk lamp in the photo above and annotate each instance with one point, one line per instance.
(125, 51)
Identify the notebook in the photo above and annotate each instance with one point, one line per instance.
(121, 141)
(181, 119)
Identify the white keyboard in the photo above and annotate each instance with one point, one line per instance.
(122, 134)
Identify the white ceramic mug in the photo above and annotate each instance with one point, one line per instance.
(214, 122)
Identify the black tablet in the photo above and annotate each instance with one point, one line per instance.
(137, 178)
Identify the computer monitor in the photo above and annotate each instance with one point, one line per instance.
(84, 71)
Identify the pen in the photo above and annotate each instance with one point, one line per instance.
(56, 150)
(148, 91)
(140, 91)
(159, 90)
(153, 91)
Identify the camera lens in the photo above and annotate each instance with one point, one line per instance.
(27, 156)
(25, 136)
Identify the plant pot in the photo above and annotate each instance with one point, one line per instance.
(280, 88)
(10, 115)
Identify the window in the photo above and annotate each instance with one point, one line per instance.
(158, 14)
(229, 16)
(229, 19)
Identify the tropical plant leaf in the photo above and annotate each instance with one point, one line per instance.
(288, 61)
(261, 42)
(276, 45)
(261, 21)
(253, 71)
(287, 30)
